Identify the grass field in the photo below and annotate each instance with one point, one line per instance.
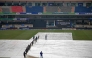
(27, 34)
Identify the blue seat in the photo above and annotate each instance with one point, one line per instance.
(90, 9)
(34, 9)
(80, 9)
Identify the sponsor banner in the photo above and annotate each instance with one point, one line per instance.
(83, 13)
(23, 13)
(90, 19)
(28, 13)
(24, 28)
(21, 19)
(49, 13)
(31, 13)
(68, 28)
(88, 13)
(40, 13)
(60, 13)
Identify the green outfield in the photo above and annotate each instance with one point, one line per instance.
(27, 34)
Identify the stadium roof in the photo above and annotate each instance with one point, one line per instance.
(45, 0)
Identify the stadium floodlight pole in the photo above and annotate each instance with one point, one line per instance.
(26, 3)
(5, 3)
(12, 3)
(19, 3)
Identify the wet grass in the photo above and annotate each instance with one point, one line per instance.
(27, 34)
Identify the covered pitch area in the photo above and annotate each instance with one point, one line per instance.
(57, 45)
(60, 45)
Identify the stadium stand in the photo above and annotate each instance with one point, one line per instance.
(43, 9)
(42, 12)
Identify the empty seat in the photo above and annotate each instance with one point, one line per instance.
(80, 9)
(6, 9)
(90, 9)
(51, 9)
(29, 9)
(34, 9)
(17, 8)
(65, 8)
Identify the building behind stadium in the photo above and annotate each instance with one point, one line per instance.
(45, 14)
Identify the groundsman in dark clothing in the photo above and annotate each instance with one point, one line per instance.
(41, 54)
(24, 54)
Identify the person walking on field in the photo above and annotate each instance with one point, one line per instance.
(41, 54)
(46, 37)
